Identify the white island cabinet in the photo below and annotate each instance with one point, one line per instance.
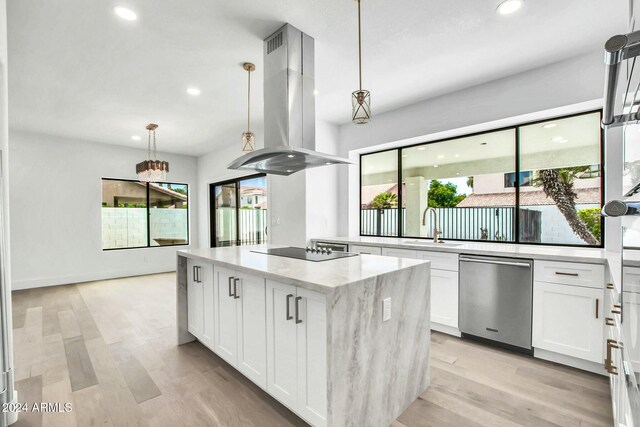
(240, 337)
(297, 349)
(313, 334)
(200, 290)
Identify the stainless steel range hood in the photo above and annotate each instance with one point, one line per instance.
(289, 108)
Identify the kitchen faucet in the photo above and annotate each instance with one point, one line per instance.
(436, 232)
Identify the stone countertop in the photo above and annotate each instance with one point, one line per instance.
(552, 253)
(324, 276)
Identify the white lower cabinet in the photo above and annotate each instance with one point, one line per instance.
(200, 301)
(444, 285)
(444, 297)
(444, 289)
(311, 337)
(568, 320)
(252, 335)
(240, 334)
(297, 350)
(195, 319)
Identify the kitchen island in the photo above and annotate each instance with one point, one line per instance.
(312, 334)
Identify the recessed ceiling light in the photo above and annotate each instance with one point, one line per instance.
(194, 91)
(328, 163)
(435, 166)
(549, 125)
(422, 148)
(457, 173)
(125, 13)
(508, 7)
(441, 156)
(291, 156)
(136, 138)
(559, 139)
(289, 170)
(457, 155)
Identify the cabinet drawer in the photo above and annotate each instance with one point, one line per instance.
(569, 273)
(440, 260)
(361, 249)
(400, 253)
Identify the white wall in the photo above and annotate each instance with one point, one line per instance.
(492, 105)
(56, 195)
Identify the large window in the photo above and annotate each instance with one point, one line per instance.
(239, 211)
(139, 214)
(536, 183)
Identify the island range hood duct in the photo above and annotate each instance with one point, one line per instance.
(289, 108)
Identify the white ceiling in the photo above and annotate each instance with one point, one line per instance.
(76, 70)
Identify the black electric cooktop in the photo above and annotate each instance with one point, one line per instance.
(305, 254)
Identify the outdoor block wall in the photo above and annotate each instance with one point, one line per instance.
(127, 227)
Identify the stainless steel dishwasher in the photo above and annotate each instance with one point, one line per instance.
(495, 300)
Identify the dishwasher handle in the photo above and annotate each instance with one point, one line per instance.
(487, 261)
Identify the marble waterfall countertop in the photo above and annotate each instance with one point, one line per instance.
(552, 253)
(324, 276)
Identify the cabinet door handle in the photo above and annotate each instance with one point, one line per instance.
(597, 307)
(194, 274)
(289, 316)
(298, 320)
(199, 274)
(235, 288)
(561, 273)
(608, 362)
(609, 321)
(230, 280)
(610, 286)
(616, 309)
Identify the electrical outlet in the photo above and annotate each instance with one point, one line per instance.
(386, 309)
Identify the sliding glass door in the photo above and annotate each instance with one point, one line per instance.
(239, 211)
(225, 214)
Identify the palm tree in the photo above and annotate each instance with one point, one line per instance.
(385, 201)
(558, 185)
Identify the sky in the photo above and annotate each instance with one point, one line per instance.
(461, 183)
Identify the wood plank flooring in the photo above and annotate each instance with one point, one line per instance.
(108, 348)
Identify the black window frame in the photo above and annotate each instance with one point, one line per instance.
(516, 222)
(149, 215)
(212, 207)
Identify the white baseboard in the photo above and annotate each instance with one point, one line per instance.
(42, 282)
(449, 330)
(585, 365)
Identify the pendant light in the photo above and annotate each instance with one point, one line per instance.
(152, 170)
(360, 99)
(248, 138)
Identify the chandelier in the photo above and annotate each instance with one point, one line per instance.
(248, 138)
(152, 170)
(360, 99)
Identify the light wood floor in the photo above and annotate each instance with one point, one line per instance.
(109, 348)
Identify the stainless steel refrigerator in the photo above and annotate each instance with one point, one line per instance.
(621, 122)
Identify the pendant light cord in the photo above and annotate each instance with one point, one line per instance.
(249, 103)
(359, 48)
(149, 146)
(155, 150)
